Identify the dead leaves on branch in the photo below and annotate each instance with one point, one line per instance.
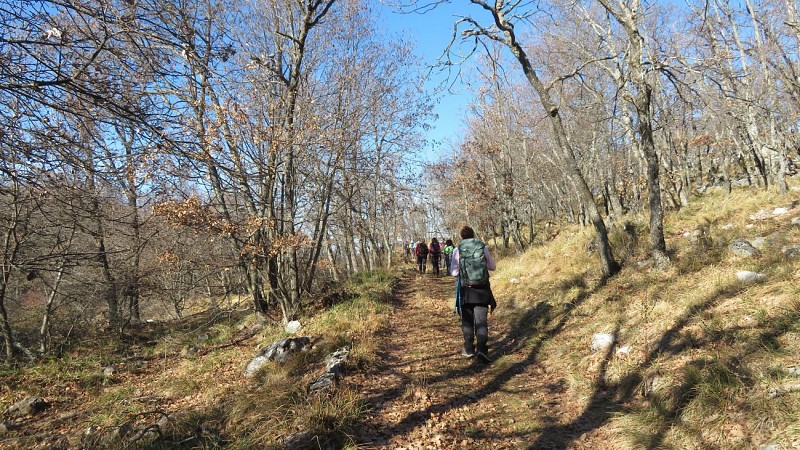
(192, 213)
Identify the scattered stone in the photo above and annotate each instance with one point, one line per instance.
(759, 242)
(795, 220)
(761, 215)
(514, 280)
(67, 416)
(746, 276)
(792, 251)
(5, 427)
(334, 366)
(624, 350)
(323, 383)
(783, 390)
(695, 235)
(793, 371)
(780, 211)
(334, 362)
(108, 371)
(741, 247)
(188, 352)
(602, 341)
(770, 447)
(726, 226)
(28, 407)
(293, 327)
(279, 351)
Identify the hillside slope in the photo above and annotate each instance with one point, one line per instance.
(699, 359)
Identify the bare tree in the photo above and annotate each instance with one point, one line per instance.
(501, 29)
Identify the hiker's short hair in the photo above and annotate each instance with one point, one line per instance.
(467, 233)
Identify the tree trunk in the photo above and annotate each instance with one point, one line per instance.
(608, 265)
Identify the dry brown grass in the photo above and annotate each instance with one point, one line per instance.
(212, 404)
(704, 350)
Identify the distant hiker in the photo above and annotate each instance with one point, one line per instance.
(448, 254)
(422, 256)
(436, 255)
(471, 264)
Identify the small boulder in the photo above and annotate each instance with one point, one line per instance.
(792, 251)
(741, 247)
(334, 366)
(279, 351)
(746, 276)
(602, 341)
(5, 427)
(293, 327)
(323, 383)
(759, 242)
(108, 371)
(784, 389)
(28, 407)
(761, 215)
(334, 362)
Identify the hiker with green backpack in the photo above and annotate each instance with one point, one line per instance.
(448, 254)
(471, 263)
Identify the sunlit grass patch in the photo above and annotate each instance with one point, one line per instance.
(697, 352)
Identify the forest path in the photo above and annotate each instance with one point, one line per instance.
(425, 395)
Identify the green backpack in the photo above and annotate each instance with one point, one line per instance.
(472, 263)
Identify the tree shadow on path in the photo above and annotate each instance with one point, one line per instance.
(542, 315)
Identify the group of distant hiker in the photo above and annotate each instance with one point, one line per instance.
(470, 262)
(435, 252)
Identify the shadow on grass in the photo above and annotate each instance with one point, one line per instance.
(610, 399)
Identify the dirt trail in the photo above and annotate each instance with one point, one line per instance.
(427, 396)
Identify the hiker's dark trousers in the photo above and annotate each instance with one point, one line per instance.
(422, 262)
(473, 323)
(435, 264)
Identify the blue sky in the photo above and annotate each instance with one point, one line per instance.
(431, 32)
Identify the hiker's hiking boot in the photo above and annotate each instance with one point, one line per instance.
(467, 354)
(483, 357)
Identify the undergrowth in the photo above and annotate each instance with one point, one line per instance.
(188, 371)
